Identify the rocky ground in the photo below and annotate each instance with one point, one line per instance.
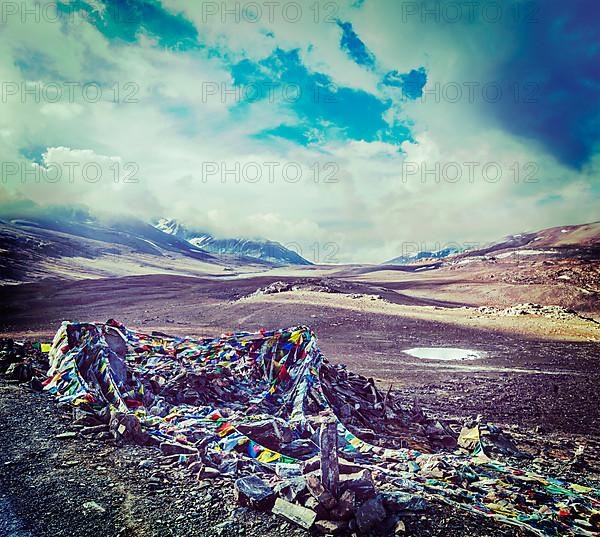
(542, 390)
(57, 484)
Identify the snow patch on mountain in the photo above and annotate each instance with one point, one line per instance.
(265, 250)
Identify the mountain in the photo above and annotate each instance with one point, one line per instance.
(424, 256)
(263, 250)
(581, 240)
(69, 242)
(553, 266)
(577, 241)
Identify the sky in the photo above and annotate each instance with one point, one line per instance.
(353, 130)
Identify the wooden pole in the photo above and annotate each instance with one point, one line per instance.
(330, 471)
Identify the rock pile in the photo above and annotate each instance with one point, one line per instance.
(552, 312)
(21, 361)
(304, 284)
(313, 443)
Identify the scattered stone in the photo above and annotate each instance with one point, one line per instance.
(270, 433)
(528, 308)
(370, 514)
(93, 506)
(124, 425)
(361, 483)
(403, 501)
(302, 516)
(290, 489)
(331, 527)
(400, 528)
(346, 505)
(253, 492)
(66, 436)
(175, 448)
(316, 488)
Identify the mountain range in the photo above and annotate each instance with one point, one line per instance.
(581, 241)
(264, 250)
(71, 243)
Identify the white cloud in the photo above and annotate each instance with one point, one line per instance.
(173, 131)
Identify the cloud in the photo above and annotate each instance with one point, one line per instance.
(354, 47)
(411, 83)
(170, 112)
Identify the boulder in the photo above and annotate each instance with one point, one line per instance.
(318, 491)
(253, 492)
(175, 448)
(370, 514)
(361, 483)
(331, 527)
(271, 433)
(403, 501)
(302, 516)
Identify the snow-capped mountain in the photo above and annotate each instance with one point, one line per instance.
(264, 250)
(424, 255)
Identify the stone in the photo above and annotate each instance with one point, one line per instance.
(400, 528)
(370, 514)
(66, 436)
(316, 488)
(403, 501)
(271, 433)
(361, 483)
(302, 516)
(331, 527)
(299, 448)
(311, 502)
(175, 448)
(209, 473)
(20, 372)
(94, 507)
(345, 410)
(253, 492)
(124, 425)
(288, 470)
(290, 489)
(94, 429)
(346, 505)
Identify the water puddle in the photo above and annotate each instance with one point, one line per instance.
(447, 354)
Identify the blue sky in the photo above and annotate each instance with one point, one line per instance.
(377, 103)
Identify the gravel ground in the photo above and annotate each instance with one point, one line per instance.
(544, 392)
(77, 487)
